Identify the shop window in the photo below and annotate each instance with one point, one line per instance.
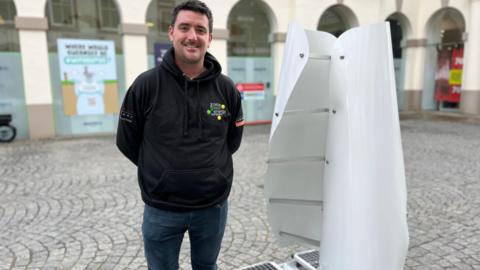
(7, 12)
(159, 17)
(249, 29)
(86, 63)
(164, 11)
(398, 27)
(332, 22)
(397, 36)
(89, 19)
(109, 19)
(249, 62)
(444, 62)
(12, 96)
(8, 33)
(62, 12)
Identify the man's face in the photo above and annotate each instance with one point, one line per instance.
(190, 37)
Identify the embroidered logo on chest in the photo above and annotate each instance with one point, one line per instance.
(217, 110)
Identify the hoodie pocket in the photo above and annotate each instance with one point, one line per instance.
(191, 187)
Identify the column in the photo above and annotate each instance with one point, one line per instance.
(278, 44)
(36, 75)
(218, 47)
(470, 95)
(414, 75)
(134, 50)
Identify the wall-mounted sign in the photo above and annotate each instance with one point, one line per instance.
(88, 76)
(251, 91)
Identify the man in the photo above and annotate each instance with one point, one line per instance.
(180, 123)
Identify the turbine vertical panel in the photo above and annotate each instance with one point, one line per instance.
(294, 179)
(365, 226)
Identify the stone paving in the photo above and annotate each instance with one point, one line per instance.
(75, 203)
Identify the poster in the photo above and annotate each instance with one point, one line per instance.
(160, 49)
(456, 72)
(88, 77)
(448, 76)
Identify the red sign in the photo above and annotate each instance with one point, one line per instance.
(250, 87)
(448, 77)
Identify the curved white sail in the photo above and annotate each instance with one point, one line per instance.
(336, 172)
(298, 137)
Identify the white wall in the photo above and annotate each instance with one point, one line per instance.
(30, 8)
(306, 12)
(367, 11)
(133, 11)
(33, 47)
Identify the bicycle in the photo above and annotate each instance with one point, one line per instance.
(7, 131)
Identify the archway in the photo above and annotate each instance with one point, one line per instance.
(444, 60)
(12, 95)
(337, 19)
(399, 29)
(250, 63)
(86, 64)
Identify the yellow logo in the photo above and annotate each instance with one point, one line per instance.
(217, 110)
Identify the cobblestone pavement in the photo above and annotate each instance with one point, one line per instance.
(75, 203)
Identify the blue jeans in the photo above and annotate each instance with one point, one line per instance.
(163, 234)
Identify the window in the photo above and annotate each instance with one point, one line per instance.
(86, 21)
(249, 29)
(164, 11)
(159, 16)
(332, 22)
(61, 12)
(108, 15)
(396, 33)
(7, 12)
(8, 33)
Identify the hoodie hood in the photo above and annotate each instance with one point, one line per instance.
(212, 67)
(212, 71)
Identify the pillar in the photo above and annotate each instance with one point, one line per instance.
(278, 45)
(134, 50)
(218, 47)
(36, 75)
(414, 75)
(470, 95)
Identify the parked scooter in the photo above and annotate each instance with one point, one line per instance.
(7, 131)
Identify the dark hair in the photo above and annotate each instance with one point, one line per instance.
(195, 6)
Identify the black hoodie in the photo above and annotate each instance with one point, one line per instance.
(181, 134)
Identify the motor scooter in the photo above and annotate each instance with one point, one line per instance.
(7, 131)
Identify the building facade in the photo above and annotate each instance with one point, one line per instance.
(66, 64)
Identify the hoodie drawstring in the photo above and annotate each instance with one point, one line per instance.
(185, 116)
(199, 111)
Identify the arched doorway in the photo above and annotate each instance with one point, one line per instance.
(444, 60)
(336, 20)
(399, 27)
(86, 65)
(159, 16)
(250, 63)
(12, 95)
